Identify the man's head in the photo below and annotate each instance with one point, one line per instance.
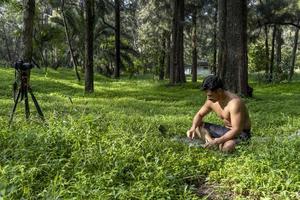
(213, 87)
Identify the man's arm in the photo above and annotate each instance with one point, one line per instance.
(197, 121)
(237, 116)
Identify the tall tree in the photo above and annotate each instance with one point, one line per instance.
(292, 66)
(214, 65)
(279, 43)
(194, 46)
(28, 20)
(267, 50)
(27, 45)
(67, 33)
(162, 57)
(89, 50)
(272, 55)
(117, 39)
(177, 67)
(233, 64)
(273, 14)
(222, 10)
(168, 56)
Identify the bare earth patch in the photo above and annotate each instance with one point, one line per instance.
(210, 191)
(205, 190)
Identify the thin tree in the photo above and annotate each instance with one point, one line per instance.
(67, 33)
(89, 51)
(162, 56)
(168, 56)
(292, 67)
(272, 55)
(222, 10)
(267, 67)
(214, 65)
(27, 45)
(177, 62)
(117, 40)
(279, 43)
(194, 45)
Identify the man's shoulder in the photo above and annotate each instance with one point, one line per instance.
(235, 100)
(207, 103)
(236, 103)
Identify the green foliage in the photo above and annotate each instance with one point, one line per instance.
(106, 60)
(257, 57)
(110, 144)
(270, 173)
(156, 18)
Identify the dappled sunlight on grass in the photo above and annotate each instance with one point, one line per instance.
(117, 143)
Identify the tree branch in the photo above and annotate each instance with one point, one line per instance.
(282, 23)
(264, 23)
(107, 24)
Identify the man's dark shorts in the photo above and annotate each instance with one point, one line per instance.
(217, 131)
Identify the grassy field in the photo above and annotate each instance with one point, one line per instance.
(118, 143)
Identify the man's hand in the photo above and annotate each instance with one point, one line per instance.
(191, 133)
(212, 143)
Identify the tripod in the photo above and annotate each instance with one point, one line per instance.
(23, 90)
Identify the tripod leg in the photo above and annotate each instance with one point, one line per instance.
(15, 106)
(38, 108)
(27, 111)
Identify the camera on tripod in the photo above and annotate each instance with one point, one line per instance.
(21, 88)
(20, 65)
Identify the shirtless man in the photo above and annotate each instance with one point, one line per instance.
(230, 108)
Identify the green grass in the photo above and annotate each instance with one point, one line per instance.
(107, 145)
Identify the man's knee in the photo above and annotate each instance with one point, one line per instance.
(201, 132)
(228, 146)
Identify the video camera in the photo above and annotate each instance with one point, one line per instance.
(20, 65)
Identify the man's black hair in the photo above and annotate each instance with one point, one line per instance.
(212, 83)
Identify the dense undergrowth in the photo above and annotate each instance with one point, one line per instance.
(118, 142)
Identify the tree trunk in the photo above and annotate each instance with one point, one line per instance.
(177, 63)
(168, 56)
(267, 67)
(233, 67)
(81, 50)
(45, 52)
(222, 12)
(279, 42)
(23, 76)
(27, 45)
(172, 60)
(67, 33)
(89, 39)
(272, 55)
(173, 44)
(17, 50)
(162, 57)
(182, 78)
(28, 19)
(117, 39)
(214, 65)
(291, 73)
(46, 56)
(194, 46)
